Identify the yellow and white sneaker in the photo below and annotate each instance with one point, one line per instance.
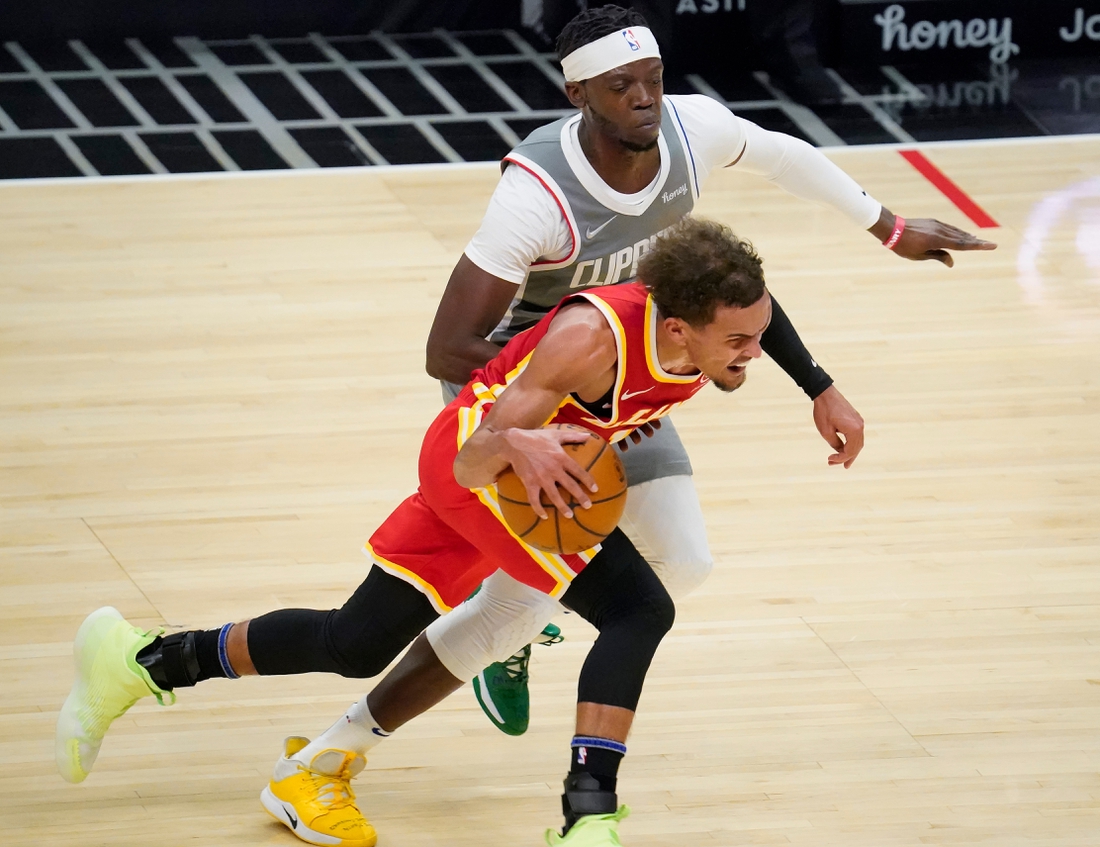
(316, 802)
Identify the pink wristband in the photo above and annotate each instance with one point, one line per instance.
(899, 228)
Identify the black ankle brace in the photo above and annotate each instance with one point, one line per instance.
(583, 797)
(172, 661)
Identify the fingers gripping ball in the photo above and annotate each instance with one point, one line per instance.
(587, 527)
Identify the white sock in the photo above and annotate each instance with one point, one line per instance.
(357, 732)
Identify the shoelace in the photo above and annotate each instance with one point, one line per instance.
(332, 791)
(516, 665)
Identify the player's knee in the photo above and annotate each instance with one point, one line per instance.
(661, 612)
(649, 615)
(357, 661)
(357, 652)
(682, 575)
(513, 611)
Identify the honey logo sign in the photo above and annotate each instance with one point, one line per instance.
(924, 35)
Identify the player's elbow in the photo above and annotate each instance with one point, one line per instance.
(436, 355)
(465, 474)
(434, 363)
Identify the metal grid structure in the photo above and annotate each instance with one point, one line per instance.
(193, 105)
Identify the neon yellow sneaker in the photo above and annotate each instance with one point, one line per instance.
(591, 831)
(108, 682)
(317, 803)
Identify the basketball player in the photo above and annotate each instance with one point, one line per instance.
(577, 206)
(609, 360)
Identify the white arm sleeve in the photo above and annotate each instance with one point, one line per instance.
(714, 134)
(805, 172)
(522, 225)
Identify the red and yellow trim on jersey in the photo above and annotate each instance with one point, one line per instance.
(408, 576)
(552, 563)
(619, 332)
(651, 359)
(470, 417)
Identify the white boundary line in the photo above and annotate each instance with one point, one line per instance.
(383, 169)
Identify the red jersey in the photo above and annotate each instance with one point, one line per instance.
(643, 391)
(445, 539)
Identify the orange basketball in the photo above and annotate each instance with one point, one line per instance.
(587, 527)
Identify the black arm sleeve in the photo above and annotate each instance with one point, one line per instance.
(781, 342)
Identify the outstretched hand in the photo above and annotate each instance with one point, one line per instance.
(927, 238)
(840, 425)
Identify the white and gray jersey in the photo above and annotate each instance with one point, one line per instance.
(607, 243)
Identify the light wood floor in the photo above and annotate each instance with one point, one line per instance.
(212, 390)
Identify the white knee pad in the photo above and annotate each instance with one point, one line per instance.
(664, 520)
(492, 625)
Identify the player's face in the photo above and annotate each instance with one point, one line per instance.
(723, 348)
(625, 103)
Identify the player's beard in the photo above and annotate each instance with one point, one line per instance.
(726, 387)
(609, 128)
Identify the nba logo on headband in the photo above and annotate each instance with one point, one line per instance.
(613, 50)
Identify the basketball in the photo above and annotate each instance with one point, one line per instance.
(587, 527)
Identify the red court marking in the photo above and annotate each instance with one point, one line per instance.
(953, 193)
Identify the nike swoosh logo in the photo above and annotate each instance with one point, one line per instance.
(293, 820)
(379, 732)
(812, 362)
(626, 395)
(590, 233)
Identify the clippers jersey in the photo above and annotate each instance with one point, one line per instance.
(607, 243)
(643, 391)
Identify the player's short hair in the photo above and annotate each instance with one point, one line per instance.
(595, 23)
(697, 266)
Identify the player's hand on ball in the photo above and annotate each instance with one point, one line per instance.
(635, 437)
(834, 417)
(542, 465)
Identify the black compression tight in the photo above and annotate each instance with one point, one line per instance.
(359, 639)
(619, 594)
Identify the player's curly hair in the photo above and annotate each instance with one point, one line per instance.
(595, 23)
(697, 266)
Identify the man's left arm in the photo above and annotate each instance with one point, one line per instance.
(835, 418)
(804, 171)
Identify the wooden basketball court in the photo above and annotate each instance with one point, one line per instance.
(212, 390)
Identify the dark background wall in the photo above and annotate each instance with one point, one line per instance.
(696, 34)
(104, 19)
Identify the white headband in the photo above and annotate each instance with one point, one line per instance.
(612, 51)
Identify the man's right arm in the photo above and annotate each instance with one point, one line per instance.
(522, 224)
(472, 305)
(577, 354)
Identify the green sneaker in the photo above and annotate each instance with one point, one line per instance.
(591, 831)
(501, 689)
(108, 682)
(549, 636)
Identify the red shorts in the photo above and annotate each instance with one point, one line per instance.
(446, 539)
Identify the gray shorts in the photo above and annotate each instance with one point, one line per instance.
(655, 458)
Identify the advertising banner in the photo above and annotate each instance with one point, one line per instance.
(939, 31)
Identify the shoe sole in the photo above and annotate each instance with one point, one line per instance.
(283, 814)
(69, 729)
